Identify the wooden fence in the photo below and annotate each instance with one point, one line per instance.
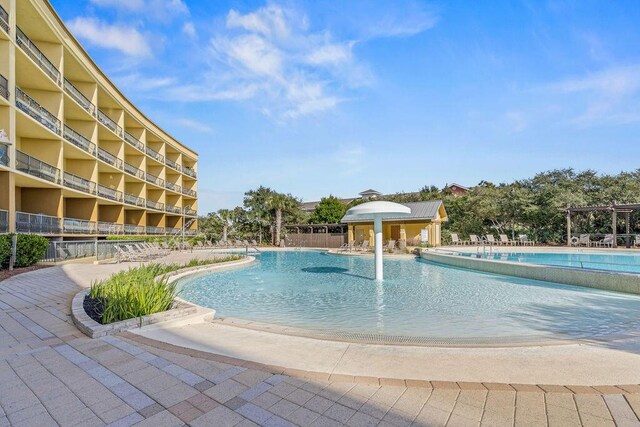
(315, 240)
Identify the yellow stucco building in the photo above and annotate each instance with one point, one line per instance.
(424, 225)
(77, 158)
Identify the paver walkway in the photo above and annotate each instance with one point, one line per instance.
(51, 374)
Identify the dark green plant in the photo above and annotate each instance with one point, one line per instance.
(330, 210)
(30, 249)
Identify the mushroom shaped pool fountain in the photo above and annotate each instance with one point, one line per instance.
(378, 211)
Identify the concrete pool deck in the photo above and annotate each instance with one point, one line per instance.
(57, 376)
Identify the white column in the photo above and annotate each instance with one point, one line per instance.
(377, 229)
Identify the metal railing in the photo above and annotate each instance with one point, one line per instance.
(133, 141)
(109, 193)
(133, 229)
(101, 249)
(79, 141)
(78, 183)
(190, 212)
(155, 180)
(36, 54)
(38, 223)
(132, 170)
(154, 154)
(4, 19)
(188, 192)
(79, 226)
(4, 155)
(189, 171)
(155, 230)
(109, 123)
(172, 164)
(32, 166)
(4, 221)
(36, 111)
(134, 200)
(155, 205)
(107, 157)
(4, 87)
(77, 96)
(110, 228)
(172, 209)
(173, 187)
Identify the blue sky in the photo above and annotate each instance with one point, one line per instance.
(325, 97)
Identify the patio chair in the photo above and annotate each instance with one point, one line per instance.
(491, 239)
(607, 241)
(391, 246)
(365, 246)
(504, 240)
(475, 240)
(524, 240)
(636, 241)
(455, 240)
(584, 240)
(345, 247)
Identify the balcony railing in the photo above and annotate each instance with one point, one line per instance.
(188, 192)
(190, 212)
(79, 226)
(134, 200)
(107, 157)
(4, 87)
(154, 154)
(189, 171)
(32, 166)
(37, 223)
(38, 57)
(155, 205)
(173, 187)
(4, 155)
(109, 123)
(155, 180)
(109, 193)
(155, 230)
(130, 169)
(74, 93)
(4, 19)
(78, 183)
(37, 111)
(79, 141)
(173, 165)
(110, 228)
(190, 232)
(133, 229)
(4, 221)
(133, 141)
(173, 209)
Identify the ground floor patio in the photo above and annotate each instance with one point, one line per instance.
(51, 374)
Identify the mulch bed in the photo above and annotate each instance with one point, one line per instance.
(94, 308)
(5, 273)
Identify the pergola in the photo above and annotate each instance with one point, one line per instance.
(615, 209)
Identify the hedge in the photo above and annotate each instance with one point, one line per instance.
(30, 249)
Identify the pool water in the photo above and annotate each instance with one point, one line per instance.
(324, 292)
(621, 262)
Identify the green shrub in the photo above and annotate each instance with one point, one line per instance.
(30, 249)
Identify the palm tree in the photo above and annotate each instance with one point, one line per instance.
(225, 215)
(279, 204)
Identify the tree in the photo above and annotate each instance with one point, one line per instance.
(278, 204)
(225, 216)
(330, 210)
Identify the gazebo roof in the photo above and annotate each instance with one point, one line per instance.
(419, 211)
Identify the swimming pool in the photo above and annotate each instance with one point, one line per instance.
(621, 262)
(323, 292)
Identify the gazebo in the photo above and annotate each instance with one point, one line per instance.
(615, 209)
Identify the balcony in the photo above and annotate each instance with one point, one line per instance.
(79, 141)
(155, 205)
(34, 167)
(189, 171)
(190, 232)
(4, 221)
(133, 229)
(107, 157)
(110, 228)
(37, 223)
(173, 187)
(134, 200)
(154, 154)
(36, 111)
(133, 141)
(173, 209)
(77, 96)
(188, 192)
(4, 87)
(173, 165)
(132, 170)
(109, 193)
(4, 19)
(79, 183)
(155, 180)
(79, 226)
(190, 212)
(4, 155)
(155, 230)
(110, 124)
(38, 57)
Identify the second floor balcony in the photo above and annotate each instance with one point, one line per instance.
(36, 111)
(4, 221)
(134, 229)
(110, 228)
(74, 93)
(134, 200)
(155, 230)
(79, 141)
(109, 123)
(37, 223)
(35, 167)
(38, 57)
(109, 158)
(109, 193)
(79, 226)
(78, 183)
(190, 212)
(173, 209)
(4, 155)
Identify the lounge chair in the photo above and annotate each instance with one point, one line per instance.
(455, 240)
(636, 241)
(345, 247)
(607, 241)
(391, 246)
(475, 240)
(364, 246)
(491, 239)
(524, 240)
(504, 240)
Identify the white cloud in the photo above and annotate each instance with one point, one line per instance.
(190, 30)
(125, 39)
(195, 125)
(139, 82)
